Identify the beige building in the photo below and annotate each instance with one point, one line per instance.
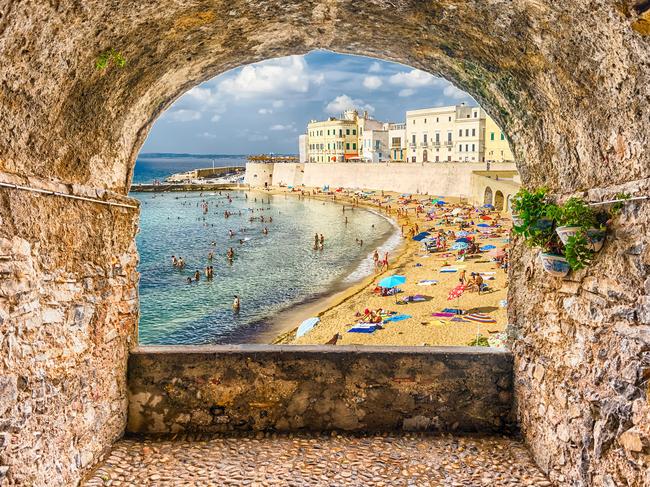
(334, 139)
(497, 148)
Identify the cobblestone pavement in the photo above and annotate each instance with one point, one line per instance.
(319, 460)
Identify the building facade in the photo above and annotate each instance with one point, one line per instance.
(334, 139)
(397, 141)
(497, 148)
(375, 146)
(303, 148)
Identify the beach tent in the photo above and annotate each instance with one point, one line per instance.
(421, 236)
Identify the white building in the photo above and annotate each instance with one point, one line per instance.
(303, 148)
(445, 134)
(375, 145)
(397, 141)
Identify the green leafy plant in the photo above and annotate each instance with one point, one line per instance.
(575, 212)
(479, 341)
(578, 251)
(107, 56)
(534, 211)
(618, 206)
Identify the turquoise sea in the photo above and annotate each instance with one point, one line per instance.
(270, 273)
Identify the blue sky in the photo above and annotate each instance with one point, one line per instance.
(263, 107)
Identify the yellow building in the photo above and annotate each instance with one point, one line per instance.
(496, 147)
(334, 139)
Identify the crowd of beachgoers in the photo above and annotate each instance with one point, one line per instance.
(446, 286)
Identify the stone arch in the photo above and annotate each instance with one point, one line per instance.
(487, 196)
(498, 200)
(66, 124)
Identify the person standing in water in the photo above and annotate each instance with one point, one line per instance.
(236, 304)
(316, 239)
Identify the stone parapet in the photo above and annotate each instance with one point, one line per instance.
(289, 388)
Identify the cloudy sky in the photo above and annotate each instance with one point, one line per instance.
(263, 107)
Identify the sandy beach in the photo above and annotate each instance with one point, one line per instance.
(341, 312)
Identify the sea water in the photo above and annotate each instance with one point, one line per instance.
(270, 273)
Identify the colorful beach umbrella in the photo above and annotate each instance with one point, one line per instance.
(456, 292)
(485, 217)
(460, 246)
(392, 281)
(480, 318)
(488, 247)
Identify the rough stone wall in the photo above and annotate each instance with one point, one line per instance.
(582, 356)
(68, 307)
(568, 81)
(263, 387)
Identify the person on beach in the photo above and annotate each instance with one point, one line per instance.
(462, 277)
(384, 264)
(236, 304)
(375, 258)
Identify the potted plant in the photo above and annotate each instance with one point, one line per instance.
(551, 258)
(579, 251)
(575, 218)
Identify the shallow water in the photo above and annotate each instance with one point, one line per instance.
(270, 272)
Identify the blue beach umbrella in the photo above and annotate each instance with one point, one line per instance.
(483, 225)
(392, 281)
(460, 246)
(421, 236)
(464, 239)
(462, 233)
(488, 206)
(488, 247)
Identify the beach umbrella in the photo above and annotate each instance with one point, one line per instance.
(491, 207)
(488, 247)
(459, 246)
(480, 318)
(496, 253)
(483, 225)
(440, 202)
(456, 292)
(462, 233)
(485, 217)
(421, 236)
(392, 281)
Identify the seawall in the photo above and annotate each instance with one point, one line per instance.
(444, 178)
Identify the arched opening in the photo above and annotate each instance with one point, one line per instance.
(498, 200)
(487, 196)
(508, 203)
(425, 156)
(74, 118)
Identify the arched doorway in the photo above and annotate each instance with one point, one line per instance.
(487, 196)
(87, 131)
(498, 200)
(508, 202)
(425, 156)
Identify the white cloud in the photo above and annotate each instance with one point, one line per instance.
(281, 127)
(406, 92)
(372, 82)
(204, 96)
(279, 103)
(374, 67)
(183, 115)
(276, 76)
(265, 111)
(215, 118)
(344, 102)
(207, 135)
(414, 79)
(452, 92)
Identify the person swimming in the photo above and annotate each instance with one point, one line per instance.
(265, 231)
(236, 304)
(197, 276)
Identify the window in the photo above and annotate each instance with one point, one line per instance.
(347, 146)
(437, 119)
(502, 136)
(449, 137)
(437, 137)
(473, 132)
(475, 114)
(413, 124)
(466, 132)
(347, 131)
(354, 131)
(437, 158)
(466, 147)
(340, 132)
(425, 120)
(450, 119)
(413, 138)
(473, 149)
(460, 132)
(377, 145)
(448, 158)
(354, 146)
(460, 147)
(425, 139)
(491, 135)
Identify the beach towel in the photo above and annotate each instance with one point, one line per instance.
(397, 318)
(443, 315)
(427, 282)
(417, 298)
(455, 311)
(458, 319)
(480, 318)
(487, 273)
(363, 328)
(448, 269)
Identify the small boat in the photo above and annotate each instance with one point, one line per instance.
(306, 326)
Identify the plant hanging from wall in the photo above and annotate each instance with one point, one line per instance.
(107, 56)
(569, 234)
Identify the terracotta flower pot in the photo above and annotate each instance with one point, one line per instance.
(554, 264)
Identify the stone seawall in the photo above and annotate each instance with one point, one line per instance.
(444, 179)
(289, 388)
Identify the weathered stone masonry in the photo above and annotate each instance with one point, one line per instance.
(317, 388)
(568, 81)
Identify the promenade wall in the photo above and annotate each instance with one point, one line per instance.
(444, 179)
(289, 388)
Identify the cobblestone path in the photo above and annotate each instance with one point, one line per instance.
(332, 460)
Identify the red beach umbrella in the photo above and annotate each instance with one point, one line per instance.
(485, 217)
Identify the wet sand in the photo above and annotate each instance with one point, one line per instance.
(338, 312)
